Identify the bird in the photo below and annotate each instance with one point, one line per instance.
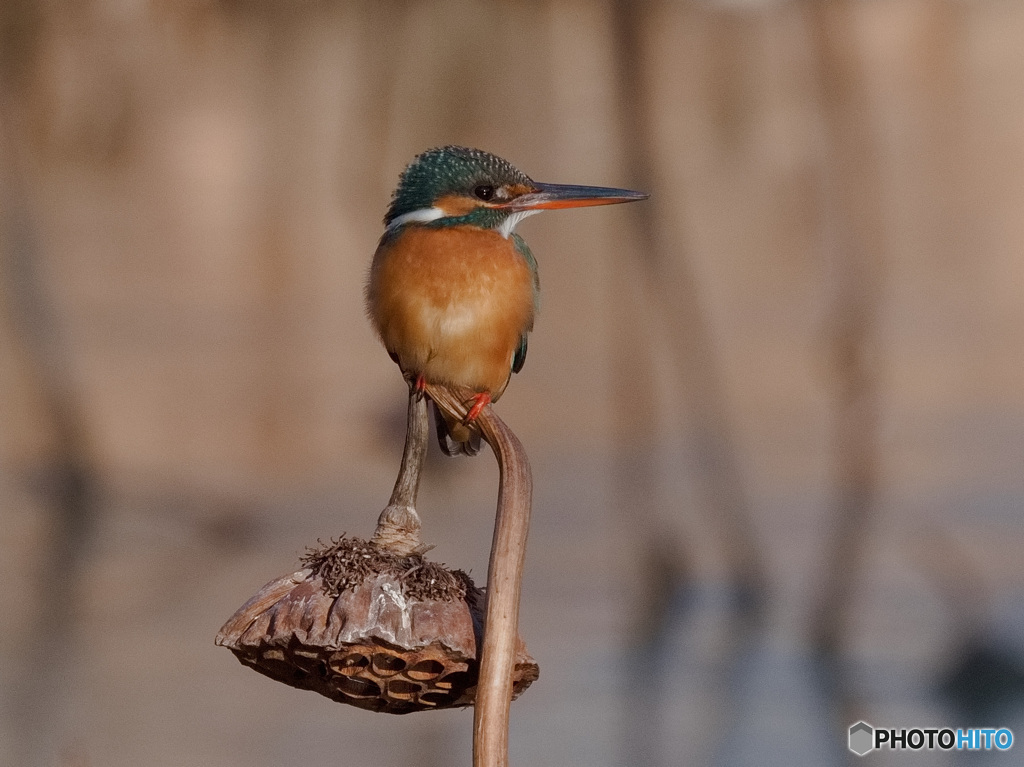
(453, 290)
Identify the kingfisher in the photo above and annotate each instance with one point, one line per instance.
(453, 290)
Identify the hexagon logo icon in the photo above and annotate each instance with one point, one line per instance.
(861, 738)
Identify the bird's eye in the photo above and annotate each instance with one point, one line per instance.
(485, 192)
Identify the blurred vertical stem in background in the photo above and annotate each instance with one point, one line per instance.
(677, 297)
(853, 220)
(69, 478)
(669, 284)
(664, 562)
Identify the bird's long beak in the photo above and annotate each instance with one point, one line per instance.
(554, 196)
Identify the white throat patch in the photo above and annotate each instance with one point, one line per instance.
(506, 227)
(417, 216)
(423, 215)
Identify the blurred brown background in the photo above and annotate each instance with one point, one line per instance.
(775, 414)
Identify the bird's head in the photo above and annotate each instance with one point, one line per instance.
(454, 185)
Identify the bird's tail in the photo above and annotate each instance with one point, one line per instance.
(455, 437)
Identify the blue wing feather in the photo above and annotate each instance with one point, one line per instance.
(519, 358)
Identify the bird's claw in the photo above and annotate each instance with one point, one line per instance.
(418, 386)
(480, 401)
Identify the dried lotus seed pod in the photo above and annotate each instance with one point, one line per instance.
(370, 628)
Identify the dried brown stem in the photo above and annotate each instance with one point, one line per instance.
(398, 527)
(504, 580)
(854, 218)
(70, 478)
(671, 286)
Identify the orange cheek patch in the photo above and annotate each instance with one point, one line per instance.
(456, 204)
(515, 190)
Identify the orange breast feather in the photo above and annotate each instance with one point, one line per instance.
(452, 303)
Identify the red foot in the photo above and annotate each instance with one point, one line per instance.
(421, 384)
(480, 401)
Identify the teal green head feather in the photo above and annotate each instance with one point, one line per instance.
(459, 172)
(455, 186)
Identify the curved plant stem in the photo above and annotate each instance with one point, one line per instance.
(417, 433)
(504, 580)
(398, 528)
